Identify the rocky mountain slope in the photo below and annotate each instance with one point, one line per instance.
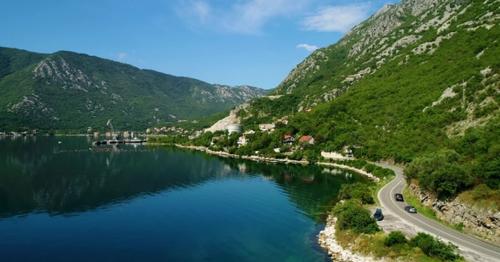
(392, 74)
(418, 82)
(398, 36)
(66, 90)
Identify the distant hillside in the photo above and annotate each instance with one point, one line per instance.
(70, 91)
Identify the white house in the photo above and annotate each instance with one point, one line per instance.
(242, 141)
(267, 127)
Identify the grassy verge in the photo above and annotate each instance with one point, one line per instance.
(411, 199)
(482, 197)
(373, 245)
(379, 186)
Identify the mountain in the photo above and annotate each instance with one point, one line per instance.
(67, 90)
(418, 82)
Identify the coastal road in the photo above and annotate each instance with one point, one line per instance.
(471, 247)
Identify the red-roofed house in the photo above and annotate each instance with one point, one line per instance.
(306, 140)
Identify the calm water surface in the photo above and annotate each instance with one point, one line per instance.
(66, 202)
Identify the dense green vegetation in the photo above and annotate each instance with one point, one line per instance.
(356, 191)
(351, 215)
(70, 91)
(393, 112)
(167, 139)
(395, 238)
(429, 245)
(440, 173)
(472, 161)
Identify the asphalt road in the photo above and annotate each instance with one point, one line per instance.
(471, 247)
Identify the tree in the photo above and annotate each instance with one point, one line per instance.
(434, 247)
(357, 191)
(351, 215)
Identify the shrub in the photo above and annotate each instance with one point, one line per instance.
(358, 191)
(440, 173)
(351, 215)
(395, 238)
(434, 247)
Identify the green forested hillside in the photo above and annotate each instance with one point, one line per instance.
(70, 91)
(418, 83)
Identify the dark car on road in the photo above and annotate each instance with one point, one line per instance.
(410, 209)
(398, 197)
(378, 215)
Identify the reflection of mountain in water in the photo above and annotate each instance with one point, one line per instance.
(42, 175)
(35, 176)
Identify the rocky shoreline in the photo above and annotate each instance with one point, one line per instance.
(326, 239)
(357, 170)
(253, 157)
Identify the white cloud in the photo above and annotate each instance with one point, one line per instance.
(308, 47)
(245, 16)
(121, 56)
(252, 15)
(201, 10)
(336, 18)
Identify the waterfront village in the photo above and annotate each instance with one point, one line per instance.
(265, 139)
(228, 137)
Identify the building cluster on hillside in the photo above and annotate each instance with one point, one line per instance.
(290, 142)
(167, 130)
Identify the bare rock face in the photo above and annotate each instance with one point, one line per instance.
(410, 29)
(376, 37)
(226, 94)
(483, 223)
(309, 66)
(231, 119)
(32, 105)
(417, 7)
(57, 70)
(237, 93)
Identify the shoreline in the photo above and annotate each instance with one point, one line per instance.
(276, 160)
(326, 237)
(251, 157)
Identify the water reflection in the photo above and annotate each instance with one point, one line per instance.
(64, 175)
(312, 190)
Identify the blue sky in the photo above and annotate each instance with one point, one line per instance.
(254, 42)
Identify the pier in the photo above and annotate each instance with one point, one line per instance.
(118, 141)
